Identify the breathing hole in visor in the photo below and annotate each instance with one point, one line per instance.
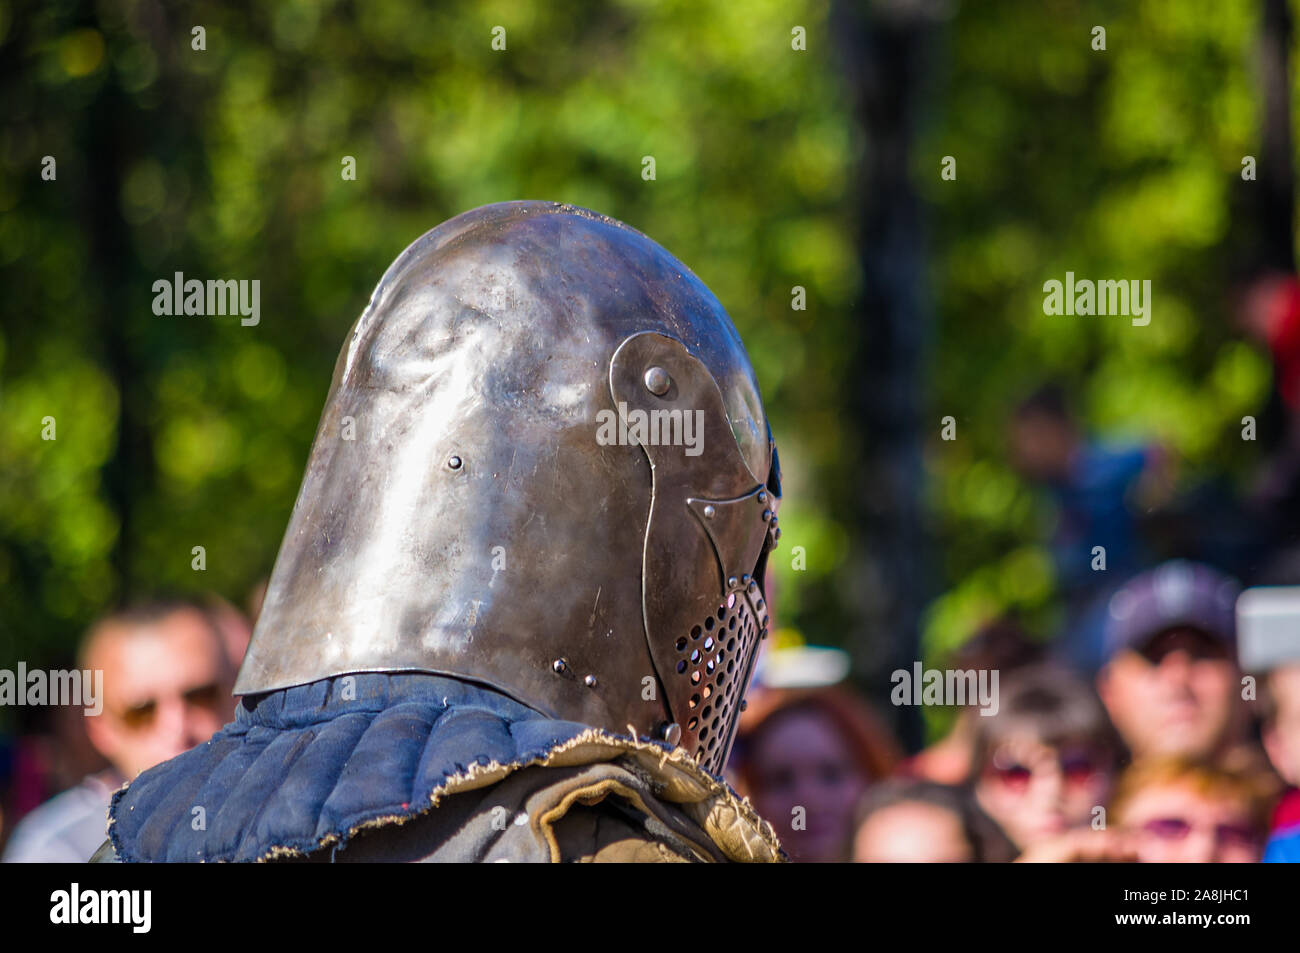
(712, 673)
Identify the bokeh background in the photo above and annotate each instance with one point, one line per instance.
(775, 168)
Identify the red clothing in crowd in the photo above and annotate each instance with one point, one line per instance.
(1284, 340)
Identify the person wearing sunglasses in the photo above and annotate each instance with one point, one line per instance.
(1046, 759)
(166, 688)
(1175, 810)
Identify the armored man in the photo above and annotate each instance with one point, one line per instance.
(489, 634)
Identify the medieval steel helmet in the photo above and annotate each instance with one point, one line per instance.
(544, 466)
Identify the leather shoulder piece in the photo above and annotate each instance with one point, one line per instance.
(105, 854)
(604, 811)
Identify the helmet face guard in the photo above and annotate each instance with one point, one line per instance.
(543, 465)
(710, 523)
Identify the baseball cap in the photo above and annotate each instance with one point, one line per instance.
(1176, 594)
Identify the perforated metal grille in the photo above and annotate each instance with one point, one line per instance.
(714, 659)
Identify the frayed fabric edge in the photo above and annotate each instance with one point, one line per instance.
(710, 802)
(711, 809)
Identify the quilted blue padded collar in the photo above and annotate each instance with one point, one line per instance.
(305, 767)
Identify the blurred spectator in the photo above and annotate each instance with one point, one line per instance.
(1094, 487)
(918, 822)
(1171, 682)
(805, 757)
(166, 685)
(1180, 811)
(1001, 646)
(1046, 759)
(1268, 646)
(1280, 704)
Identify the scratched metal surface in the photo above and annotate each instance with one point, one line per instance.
(473, 382)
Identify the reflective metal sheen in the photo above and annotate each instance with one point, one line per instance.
(481, 523)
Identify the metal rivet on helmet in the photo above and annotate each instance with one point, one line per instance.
(672, 733)
(709, 511)
(560, 665)
(590, 681)
(454, 462)
(657, 381)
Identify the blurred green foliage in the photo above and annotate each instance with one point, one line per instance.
(227, 163)
(174, 432)
(1117, 164)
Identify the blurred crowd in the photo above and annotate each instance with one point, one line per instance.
(1163, 755)
(1160, 722)
(1168, 751)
